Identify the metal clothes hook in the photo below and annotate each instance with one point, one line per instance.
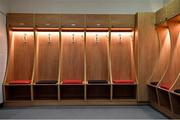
(73, 39)
(25, 38)
(49, 38)
(97, 38)
(120, 38)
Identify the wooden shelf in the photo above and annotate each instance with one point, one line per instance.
(72, 92)
(164, 99)
(124, 91)
(98, 92)
(175, 103)
(153, 97)
(18, 93)
(45, 92)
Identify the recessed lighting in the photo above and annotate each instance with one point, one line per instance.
(73, 25)
(98, 24)
(21, 24)
(47, 24)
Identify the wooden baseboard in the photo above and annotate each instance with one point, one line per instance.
(68, 102)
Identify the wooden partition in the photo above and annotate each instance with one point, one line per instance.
(21, 69)
(122, 65)
(163, 96)
(174, 28)
(162, 63)
(97, 65)
(72, 75)
(46, 78)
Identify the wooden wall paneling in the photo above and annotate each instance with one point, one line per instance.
(162, 63)
(161, 15)
(146, 44)
(173, 9)
(20, 20)
(73, 21)
(96, 55)
(121, 55)
(48, 55)
(47, 20)
(122, 21)
(97, 21)
(73, 55)
(23, 55)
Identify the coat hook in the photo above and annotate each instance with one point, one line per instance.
(120, 38)
(97, 39)
(73, 39)
(49, 38)
(25, 38)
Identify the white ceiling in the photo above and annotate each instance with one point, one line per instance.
(81, 6)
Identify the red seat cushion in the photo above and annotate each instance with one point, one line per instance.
(165, 86)
(20, 82)
(72, 81)
(123, 81)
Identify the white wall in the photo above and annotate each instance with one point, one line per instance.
(4, 8)
(3, 52)
(84, 6)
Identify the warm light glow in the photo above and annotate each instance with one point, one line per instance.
(121, 36)
(97, 36)
(122, 33)
(22, 33)
(48, 33)
(72, 33)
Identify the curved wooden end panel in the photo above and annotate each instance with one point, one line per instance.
(162, 63)
(174, 66)
(174, 28)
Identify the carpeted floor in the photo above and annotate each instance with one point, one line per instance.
(81, 112)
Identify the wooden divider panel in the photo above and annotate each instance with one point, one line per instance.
(48, 59)
(164, 56)
(73, 55)
(121, 45)
(97, 56)
(174, 67)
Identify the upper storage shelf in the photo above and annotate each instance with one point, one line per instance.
(167, 12)
(71, 21)
(122, 21)
(47, 20)
(20, 20)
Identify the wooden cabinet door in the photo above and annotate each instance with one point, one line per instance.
(20, 20)
(173, 8)
(47, 20)
(73, 21)
(97, 21)
(124, 20)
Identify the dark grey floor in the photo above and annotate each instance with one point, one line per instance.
(81, 112)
